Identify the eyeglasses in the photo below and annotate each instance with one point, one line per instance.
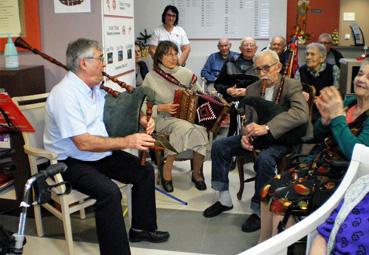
(264, 68)
(101, 59)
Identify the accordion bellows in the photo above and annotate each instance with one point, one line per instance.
(201, 109)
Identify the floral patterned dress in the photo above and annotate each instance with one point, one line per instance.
(310, 183)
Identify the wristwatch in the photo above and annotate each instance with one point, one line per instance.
(267, 128)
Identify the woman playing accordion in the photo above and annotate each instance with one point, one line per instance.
(160, 85)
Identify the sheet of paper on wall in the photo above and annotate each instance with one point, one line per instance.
(10, 19)
(349, 16)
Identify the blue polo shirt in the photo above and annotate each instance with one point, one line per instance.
(214, 65)
(72, 109)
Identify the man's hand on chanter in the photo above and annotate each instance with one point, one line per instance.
(140, 141)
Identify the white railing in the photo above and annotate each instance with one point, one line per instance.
(278, 244)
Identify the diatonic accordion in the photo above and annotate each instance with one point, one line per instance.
(201, 109)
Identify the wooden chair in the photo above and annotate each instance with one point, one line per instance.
(278, 244)
(185, 155)
(61, 206)
(284, 161)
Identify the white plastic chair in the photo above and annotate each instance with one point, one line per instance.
(33, 107)
(278, 244)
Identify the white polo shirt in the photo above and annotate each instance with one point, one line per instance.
(72, 109)
(177, 35)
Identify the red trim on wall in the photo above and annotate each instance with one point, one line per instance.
(32, 26)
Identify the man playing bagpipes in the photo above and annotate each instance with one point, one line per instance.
(273, 89)
(74, 129)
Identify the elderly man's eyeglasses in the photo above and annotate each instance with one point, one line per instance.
(264, 68)
(101, 59)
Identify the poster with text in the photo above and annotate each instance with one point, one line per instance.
(118, 7)
(118, 41)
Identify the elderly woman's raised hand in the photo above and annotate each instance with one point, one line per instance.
(329, 104)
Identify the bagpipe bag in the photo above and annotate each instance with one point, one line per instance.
(122, 113)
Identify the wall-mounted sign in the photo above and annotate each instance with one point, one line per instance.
(349, 16)
(118, 40)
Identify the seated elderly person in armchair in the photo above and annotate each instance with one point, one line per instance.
(317, 72)
(160, 85)
(236, 74)
(341, 126)
(215, 62)
(333, 55)
(278, 44)
(269, 88)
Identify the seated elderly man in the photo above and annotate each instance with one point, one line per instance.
(215, 62)
(317, 72)
(75, 131)
(278, 44)
(236, 74)
(333, 55)
(267, 66)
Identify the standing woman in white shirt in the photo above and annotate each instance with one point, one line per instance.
(169, 31)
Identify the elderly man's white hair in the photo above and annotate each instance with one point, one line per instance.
(278, 37)
(325, 36)
(247, 39)
(223, 40)
(270, 53)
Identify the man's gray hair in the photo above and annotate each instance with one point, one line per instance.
(325, 36)
(225, 40)
(268, 52)
(248, 39)
(278, 37)
(78, 49)
(319, 46)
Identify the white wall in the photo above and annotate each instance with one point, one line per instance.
(148, 16)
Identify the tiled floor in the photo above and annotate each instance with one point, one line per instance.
(191, 233)
(47, 246)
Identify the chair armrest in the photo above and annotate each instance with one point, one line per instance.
(37, 152)
(340, 163)
(52, 157)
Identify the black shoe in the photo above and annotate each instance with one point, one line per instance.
(251, 224)
(167, 185)
(149, 236)
(216, 209)
(200, 185)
